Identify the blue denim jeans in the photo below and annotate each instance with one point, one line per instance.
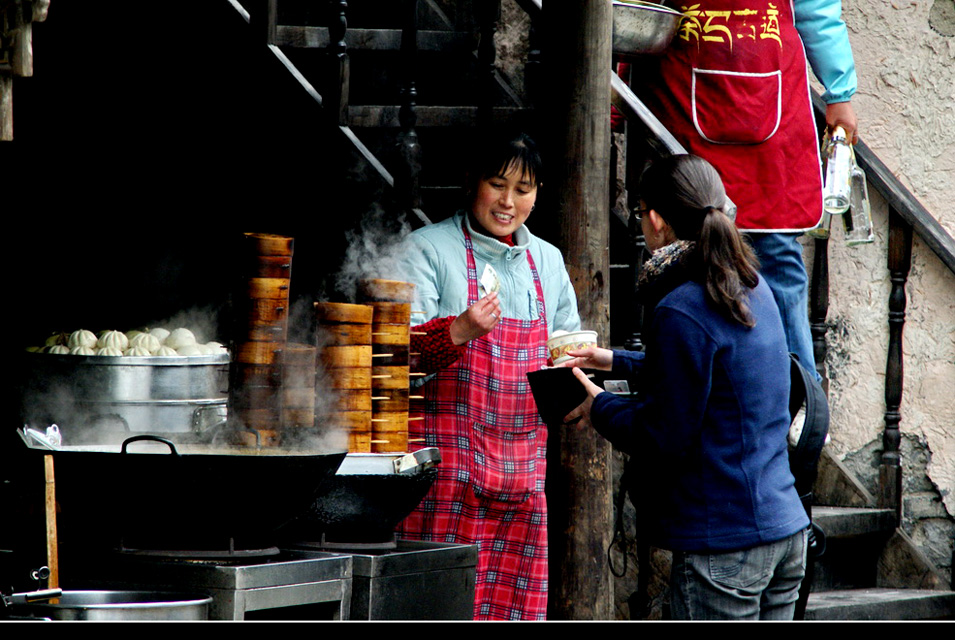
(780, 257)
(761, 583)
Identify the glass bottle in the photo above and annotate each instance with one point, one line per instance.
(838, 156)
(821, 230)
(858, 219)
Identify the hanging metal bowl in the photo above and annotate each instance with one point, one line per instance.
(641, 28)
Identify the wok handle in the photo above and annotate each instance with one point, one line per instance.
(151, 438)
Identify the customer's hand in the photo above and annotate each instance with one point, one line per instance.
(581, 415)
(478, 320)
(592, 389)
(590, 358)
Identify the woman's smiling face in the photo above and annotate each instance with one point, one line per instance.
(503, 202)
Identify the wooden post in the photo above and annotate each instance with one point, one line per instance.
(890, 467)
(577, 62)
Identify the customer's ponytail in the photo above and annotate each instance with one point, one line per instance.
(729, 266)
(686, 191)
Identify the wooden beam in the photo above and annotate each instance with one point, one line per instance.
(578, 59)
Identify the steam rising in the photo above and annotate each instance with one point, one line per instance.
(375, 250)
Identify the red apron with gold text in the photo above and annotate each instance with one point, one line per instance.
(481, 415)
(733, 89)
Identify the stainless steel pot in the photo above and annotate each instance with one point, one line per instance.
(643, 27)
(106, 399)
(119, 605)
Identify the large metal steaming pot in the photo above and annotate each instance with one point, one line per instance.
(104, 398)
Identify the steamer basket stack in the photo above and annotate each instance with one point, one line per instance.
(343, 336)
(259, 336)
(391, 326)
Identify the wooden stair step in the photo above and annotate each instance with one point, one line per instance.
(376, 116)
(303, 37)
(881, 604)
(848, 522)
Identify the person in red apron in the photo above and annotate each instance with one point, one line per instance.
(479, 411)
(733, 89)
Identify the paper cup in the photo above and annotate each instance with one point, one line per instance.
(559, 345)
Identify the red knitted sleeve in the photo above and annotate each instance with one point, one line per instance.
(432, 340)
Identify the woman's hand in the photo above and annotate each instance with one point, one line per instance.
(590, 358)
(478, 320)
(582, 413)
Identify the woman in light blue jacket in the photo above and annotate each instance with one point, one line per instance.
(489, 293)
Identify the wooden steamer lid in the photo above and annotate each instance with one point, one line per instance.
(377, 290)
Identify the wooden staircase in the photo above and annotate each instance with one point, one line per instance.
(407, 80)
(871, 570)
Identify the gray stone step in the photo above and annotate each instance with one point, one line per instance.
(881, 604)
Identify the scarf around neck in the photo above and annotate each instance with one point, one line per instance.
(664, 271)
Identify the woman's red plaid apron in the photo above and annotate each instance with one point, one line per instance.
(490, 487)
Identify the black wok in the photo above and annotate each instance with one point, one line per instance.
(198, 497)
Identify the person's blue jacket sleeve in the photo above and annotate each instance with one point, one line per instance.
(672, 398)
(826, 38)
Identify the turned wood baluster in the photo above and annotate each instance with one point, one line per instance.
(899, 262)
(407, 176)
(488, 15)
(819, 305)
(338, 63)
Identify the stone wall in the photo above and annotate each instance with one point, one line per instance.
(905, 61)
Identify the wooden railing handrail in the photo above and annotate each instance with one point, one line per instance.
(900, 198)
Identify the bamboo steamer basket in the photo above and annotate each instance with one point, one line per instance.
(267, 288)
(298, 397)
(258, 353)
(257, 418)
(359, 442)
(340, 312)
(344, 335)
(389, 378)
(267, 244)
(343, 357)
(389, 432)
(397, 334)
(255, 375)
(256, 396)
(298, 355)
(298, 417)
(261, 312)
(377, 290)
(349, 378)
(390, 355)
(390, 400)
(354, 400)
(391, 313)
(299, 377)
(351, 420)
(257, 438)
(259, 266)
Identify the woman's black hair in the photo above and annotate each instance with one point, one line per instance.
(688, 194)
(504, 151)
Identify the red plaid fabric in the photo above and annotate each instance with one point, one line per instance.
(490, 486)
(435, 347)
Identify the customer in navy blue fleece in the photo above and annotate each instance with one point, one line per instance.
(712, 413)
